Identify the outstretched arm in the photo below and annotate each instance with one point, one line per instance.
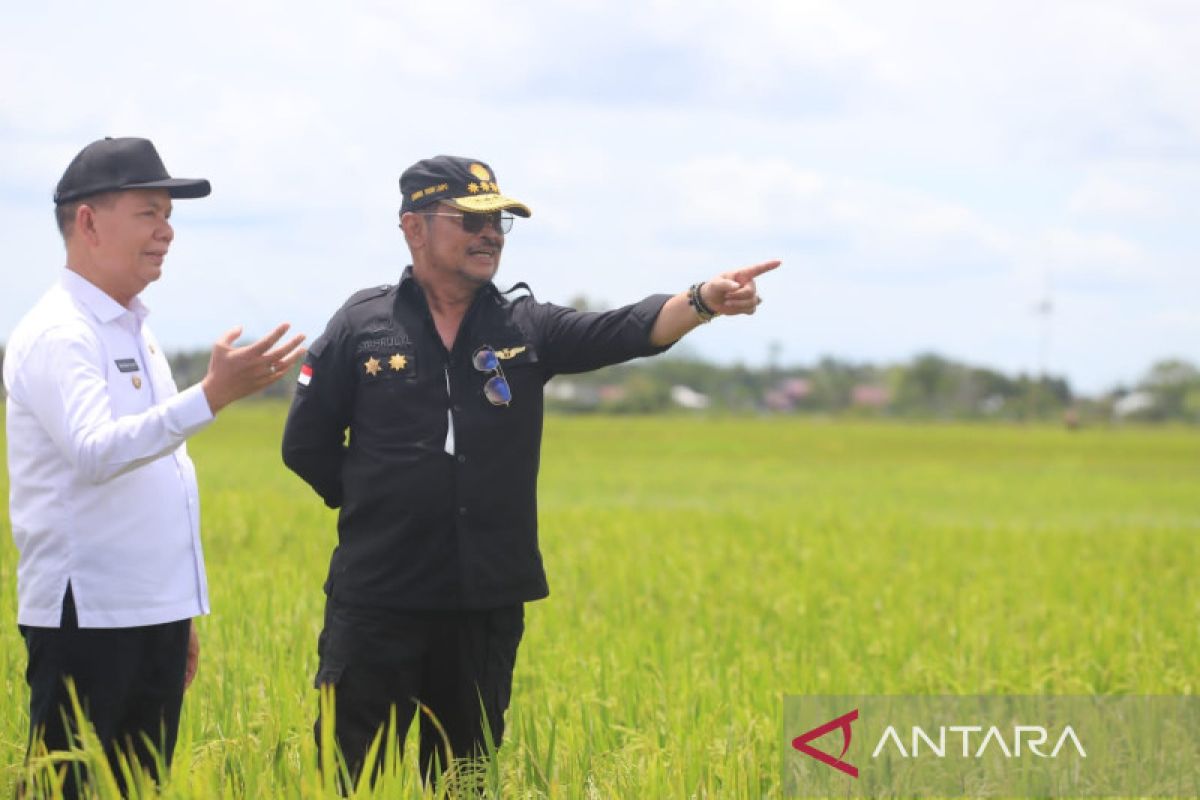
(728, 294)
(63, 382)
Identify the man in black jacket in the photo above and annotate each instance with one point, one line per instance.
(439, 380)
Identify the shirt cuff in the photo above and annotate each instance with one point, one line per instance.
(188, 411)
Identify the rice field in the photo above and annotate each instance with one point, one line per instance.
(700, 570)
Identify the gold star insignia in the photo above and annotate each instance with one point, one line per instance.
(372, 365)
(473, 188)
(495, 188)
(397, 362)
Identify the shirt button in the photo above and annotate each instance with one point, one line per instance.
(461, 458)
(462, 511)
(457, 407)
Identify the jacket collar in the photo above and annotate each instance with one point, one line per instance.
(409, 288)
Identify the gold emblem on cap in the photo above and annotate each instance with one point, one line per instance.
(397, 362)
(480, 171)
(371, 365)
(137, 382)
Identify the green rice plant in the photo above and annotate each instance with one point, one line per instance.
(701, 569)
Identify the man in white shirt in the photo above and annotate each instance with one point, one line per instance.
(103, 503)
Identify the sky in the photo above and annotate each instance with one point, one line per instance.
(930, 173)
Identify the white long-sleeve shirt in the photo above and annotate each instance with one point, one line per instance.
(102, 492)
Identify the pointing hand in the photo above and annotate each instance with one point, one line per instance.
(735, 292)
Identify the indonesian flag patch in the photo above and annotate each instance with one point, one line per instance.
(305, 375)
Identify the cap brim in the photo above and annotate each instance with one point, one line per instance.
(488, 202)
(180, 188)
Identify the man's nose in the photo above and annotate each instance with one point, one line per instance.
(166, 232)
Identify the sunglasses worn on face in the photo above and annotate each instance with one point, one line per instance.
(496, 390)
(474, 223)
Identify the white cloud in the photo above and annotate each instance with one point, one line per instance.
(1180, 321)
(1107, 197)
(1097, 255)
(922, 169)
(874, 219)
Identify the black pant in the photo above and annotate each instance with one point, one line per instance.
(458, 664)
(129, 682)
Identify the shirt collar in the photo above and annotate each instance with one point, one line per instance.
(93, 298)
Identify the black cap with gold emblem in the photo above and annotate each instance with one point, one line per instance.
(465, 183)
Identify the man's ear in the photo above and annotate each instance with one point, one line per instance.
(85, 224)
(413, 226)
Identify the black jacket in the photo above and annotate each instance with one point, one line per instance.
(418, 527)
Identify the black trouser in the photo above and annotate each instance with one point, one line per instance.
(129, 682)
(458, 664)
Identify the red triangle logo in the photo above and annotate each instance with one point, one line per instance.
(842, 723)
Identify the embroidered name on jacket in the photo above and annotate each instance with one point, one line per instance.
(383, 343)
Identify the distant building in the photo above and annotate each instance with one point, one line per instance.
(868, 396)
(1133, 403)
(796, 388)
(613, 393)
(572, 393)
(776, 400)
(686, 397)
(992, 404)
(787, 394)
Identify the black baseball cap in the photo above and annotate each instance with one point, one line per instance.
(468, 184)
(110, 165)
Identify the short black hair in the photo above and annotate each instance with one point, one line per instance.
(64, 213)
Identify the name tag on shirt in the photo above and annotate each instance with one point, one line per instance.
(127, 364)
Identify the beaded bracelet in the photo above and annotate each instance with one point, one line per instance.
(697, 303)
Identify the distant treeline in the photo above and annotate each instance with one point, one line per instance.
(927, 387)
